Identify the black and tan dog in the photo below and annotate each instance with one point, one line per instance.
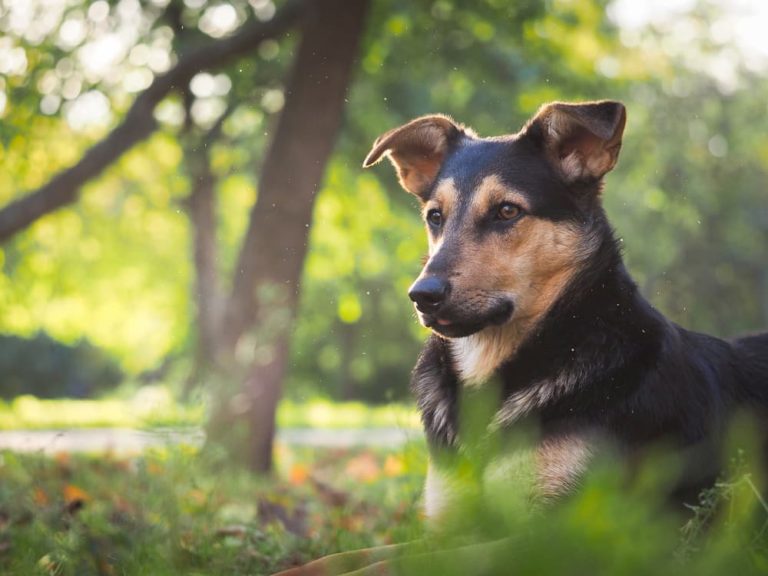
(525, 286)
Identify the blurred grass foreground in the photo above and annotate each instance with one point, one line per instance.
(174, 512)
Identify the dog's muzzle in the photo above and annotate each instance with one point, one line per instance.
(429, 293)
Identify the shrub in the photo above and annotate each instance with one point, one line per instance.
(46, 368)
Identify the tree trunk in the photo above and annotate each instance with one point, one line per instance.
(201, 208)
(265, 289)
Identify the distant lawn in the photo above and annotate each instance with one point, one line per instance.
(155, 407)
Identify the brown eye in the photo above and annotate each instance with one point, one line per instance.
(508, 211)
(435, 218)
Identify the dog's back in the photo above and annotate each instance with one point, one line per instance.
(752, 356)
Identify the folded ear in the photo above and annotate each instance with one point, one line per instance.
(416, 150)
(582, 140)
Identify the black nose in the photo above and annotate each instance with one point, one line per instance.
(429, 293)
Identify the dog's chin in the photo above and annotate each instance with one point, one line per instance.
(458, 325)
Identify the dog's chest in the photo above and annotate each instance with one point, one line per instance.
(521, 476)
(475, 358)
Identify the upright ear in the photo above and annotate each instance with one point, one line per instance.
(416, 150)
(581, 140)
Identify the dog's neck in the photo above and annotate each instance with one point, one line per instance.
(590, 344)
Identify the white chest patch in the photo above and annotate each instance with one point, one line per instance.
(435, 493)
(468, 354)
(476, 357)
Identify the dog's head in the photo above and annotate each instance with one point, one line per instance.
(508, 218)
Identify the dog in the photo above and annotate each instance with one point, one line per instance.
(524, 288)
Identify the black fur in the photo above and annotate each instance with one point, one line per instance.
(602, 357)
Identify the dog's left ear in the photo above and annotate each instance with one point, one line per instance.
(581, 140)
(416, 150)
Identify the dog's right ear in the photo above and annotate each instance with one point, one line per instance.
(416, 150)
(582, 139)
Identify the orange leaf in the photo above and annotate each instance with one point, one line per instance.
(393, 466)
(363, 468)
(353, 523)
(40, 497)
(123, 505)
(62, 458)
(74, 494)
(298, 474)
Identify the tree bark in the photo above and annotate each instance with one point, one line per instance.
(139, 122)
(201, 209)
(200, 206)
(268, 272)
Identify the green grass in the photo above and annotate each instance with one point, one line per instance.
(155, 406)
(175, 512)
(179, 512)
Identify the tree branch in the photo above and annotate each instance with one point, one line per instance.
(139, 122)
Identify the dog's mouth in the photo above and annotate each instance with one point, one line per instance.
(456, 323)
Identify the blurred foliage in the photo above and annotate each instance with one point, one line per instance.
(687, 198)
(45, 368)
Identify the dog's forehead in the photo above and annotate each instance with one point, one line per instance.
(513, 162)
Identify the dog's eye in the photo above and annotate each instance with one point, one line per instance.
(435, 217)
(509, 211)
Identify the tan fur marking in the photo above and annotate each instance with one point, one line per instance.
(560, 463)
(491, 192)
(445, 199)
(532, 264)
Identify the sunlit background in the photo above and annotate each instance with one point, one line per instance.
(688, 197)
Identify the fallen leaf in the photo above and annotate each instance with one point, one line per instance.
(40, 497)
(363, 468)
(62, 458)
(74, 498)
(73, 493)
(299, 474)
(393, 465)
(330, 495)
